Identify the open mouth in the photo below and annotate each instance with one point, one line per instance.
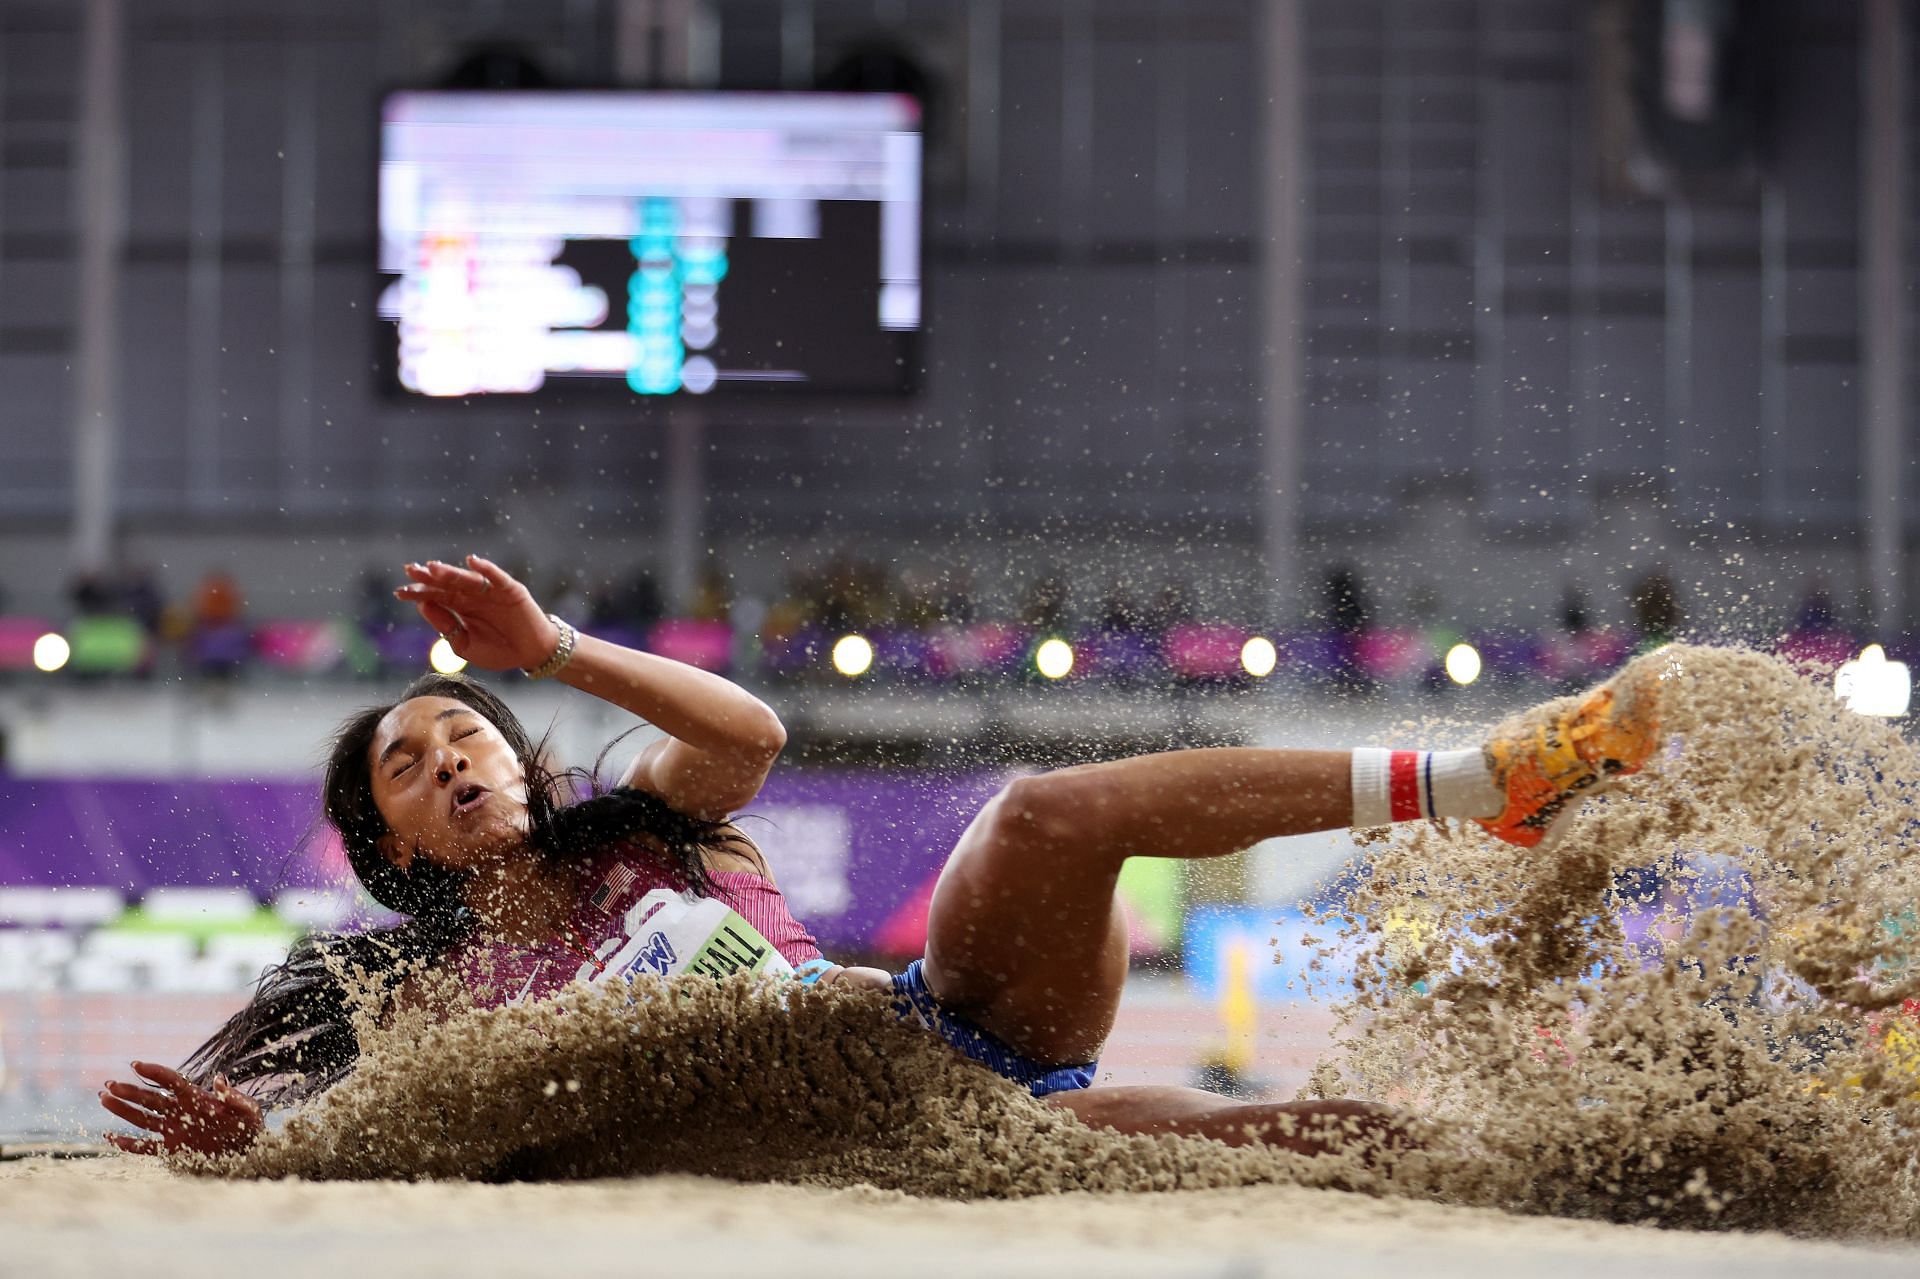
(469, 796)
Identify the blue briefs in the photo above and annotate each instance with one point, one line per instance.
(810, 973)
(916, 1003)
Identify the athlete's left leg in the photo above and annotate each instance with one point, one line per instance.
(1024, 934)
(1306, 1127)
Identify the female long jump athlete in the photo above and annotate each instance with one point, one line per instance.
(448, 816)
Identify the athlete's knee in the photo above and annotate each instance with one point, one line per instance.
(1031, 813)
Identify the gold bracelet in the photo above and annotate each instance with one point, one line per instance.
(562, 653)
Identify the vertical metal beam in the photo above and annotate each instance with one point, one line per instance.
(685, 35)
(100, 195)
(1777, 499)
(206, 227)
(968, 315)
(796, 44)
(1677, 338)
(633, 32)
(1883, 319)
(585, 39)
(1395, 181)
(983, 120)
(1172, 274)
(1076, 128)
(1486, 433)
(1281, 161)
(1583, 281)
(299, 187)
(686, 500)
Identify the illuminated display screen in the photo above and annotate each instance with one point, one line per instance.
(664, 243)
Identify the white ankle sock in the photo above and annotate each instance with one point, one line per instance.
(1404, 786)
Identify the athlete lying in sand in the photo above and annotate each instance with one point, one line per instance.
(448, 816)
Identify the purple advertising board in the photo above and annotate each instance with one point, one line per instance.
(855, 852)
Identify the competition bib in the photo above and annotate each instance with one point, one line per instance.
(665, 935)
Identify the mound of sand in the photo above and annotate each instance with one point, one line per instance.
(1735, 1071)
(733, 1079)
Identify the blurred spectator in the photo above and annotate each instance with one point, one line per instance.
(876, 592)
(1423, 605)
(956, 600)
(378, 608)
(791, 611)
(1817, 641)
(1656, 609)
(1568, 658)
(642, 601)
(712, 594)
(1573, 611)
(852, 595)
(918, 603)
(834, 600)
(1816, 614)
(1345, 599)
(92, 595)
(217, 601)
(567, 596)
(127, 592)
(1120, 613)
(219, 644)
(634, 603)
(1044, 606)
(1347, 615)
(1174, 606)
(140, 596)
(1121, 648)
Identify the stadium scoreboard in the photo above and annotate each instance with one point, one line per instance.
(660, 243)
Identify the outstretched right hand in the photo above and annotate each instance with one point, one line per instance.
(181, 1114)
(485, 614)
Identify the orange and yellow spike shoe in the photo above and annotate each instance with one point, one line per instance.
(1554, 755)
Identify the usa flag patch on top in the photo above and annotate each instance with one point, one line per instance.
(618, 881)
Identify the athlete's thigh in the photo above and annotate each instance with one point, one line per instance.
(1031, 946)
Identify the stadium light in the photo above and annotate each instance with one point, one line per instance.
(51, 651)
(1258, 656)
(1054, 658)
(1463, 663)
(1871, 685)
(443, 659)
(852, 656)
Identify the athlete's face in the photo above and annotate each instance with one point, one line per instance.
(447, 783)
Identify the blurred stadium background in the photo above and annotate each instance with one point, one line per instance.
(1272, 371)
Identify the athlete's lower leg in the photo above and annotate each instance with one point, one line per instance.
(1190, 803)
(1305, 1127)
(1206, 803)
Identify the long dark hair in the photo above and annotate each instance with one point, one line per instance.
(296, 1036)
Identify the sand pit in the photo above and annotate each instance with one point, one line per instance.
(119, 1215)
(1738, 1069)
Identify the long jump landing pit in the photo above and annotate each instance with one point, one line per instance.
(123, 1216)
(1745, 1067)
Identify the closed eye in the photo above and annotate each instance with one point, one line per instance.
(398, 772)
